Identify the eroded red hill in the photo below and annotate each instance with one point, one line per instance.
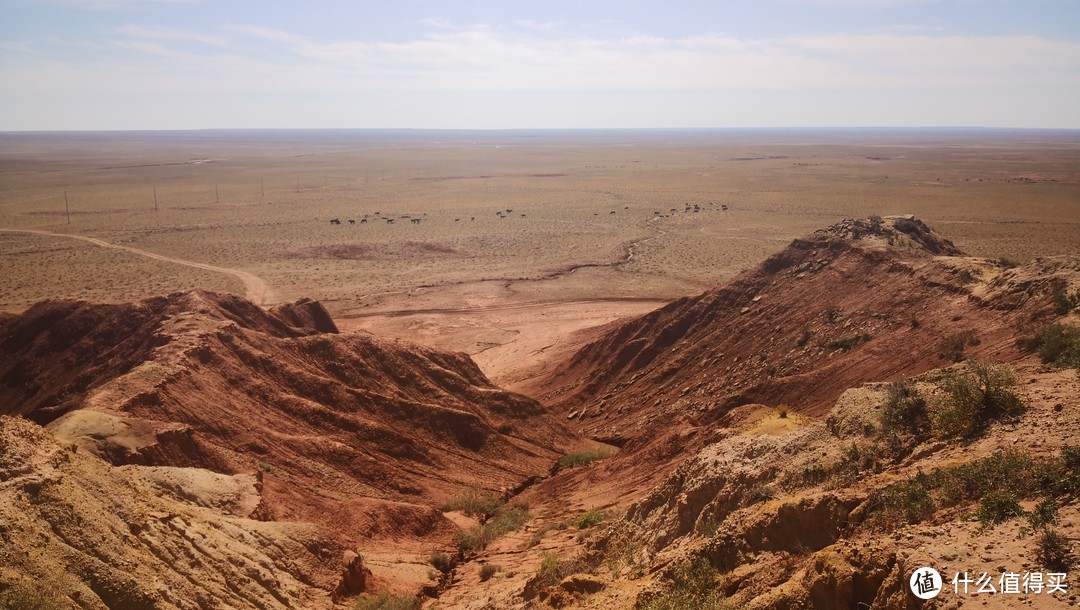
(863, 300)
(360, 436)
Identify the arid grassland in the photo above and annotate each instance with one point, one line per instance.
(591, 226)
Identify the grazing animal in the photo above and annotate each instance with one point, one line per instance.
(351, 221)
(335, 221)
(626, 207)
(472, 218)
(456, 219)
(724, 207)
(415, 221)
(389, 221)
(612, 212)
(363, 221)
(656, 213)
(523, 216)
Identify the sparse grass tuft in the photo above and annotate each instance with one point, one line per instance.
(952, 347)
(441, 562)
(589, 519)
(804, 337)
(833, 313)
(385, 601)
(30, 597)
(475, 502)
(550, 572)
(506, 519)
(997, 481)
(488, 570)
(586, 457)
(847, 343)
(693, 585)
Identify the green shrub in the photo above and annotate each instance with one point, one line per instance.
(1070, 454)
(1052, 550)
(972, 401)
(589, 519)
(550, 572)
(1059, 344)
(586, 457)
(997, 481)
(693, 585)
(905, 410)
(998, 506)
(488, 570)
(506, 519)
(441, 562)
(1044, 513)
(385, 601)
(475, 502)
(1063, 301)
(903, 503)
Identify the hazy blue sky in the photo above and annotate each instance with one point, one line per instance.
(183, 64)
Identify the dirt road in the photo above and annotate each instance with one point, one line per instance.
(255, 289)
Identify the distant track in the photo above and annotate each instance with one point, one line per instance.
(398, 313)
(255, 289)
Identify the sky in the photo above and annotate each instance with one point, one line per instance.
(498, 64)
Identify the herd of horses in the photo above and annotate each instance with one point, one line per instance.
(504, 214)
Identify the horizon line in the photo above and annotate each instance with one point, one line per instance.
(546, 129)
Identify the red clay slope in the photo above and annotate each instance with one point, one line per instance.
(361, 435)
(863, 300)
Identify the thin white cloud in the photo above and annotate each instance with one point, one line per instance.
(171, 34)
(538, 26)
(491, 59)
(841, 77)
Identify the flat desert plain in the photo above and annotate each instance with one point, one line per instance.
(508, 245)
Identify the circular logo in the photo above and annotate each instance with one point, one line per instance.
(925, 583)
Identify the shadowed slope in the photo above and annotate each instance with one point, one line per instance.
(362, 435)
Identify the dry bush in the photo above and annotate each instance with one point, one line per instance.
(972, 401)
(488, 570)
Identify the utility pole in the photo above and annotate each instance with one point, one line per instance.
(298, 183)
(155, 198)
(67, 211)
(216, 198)
(262, 187)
